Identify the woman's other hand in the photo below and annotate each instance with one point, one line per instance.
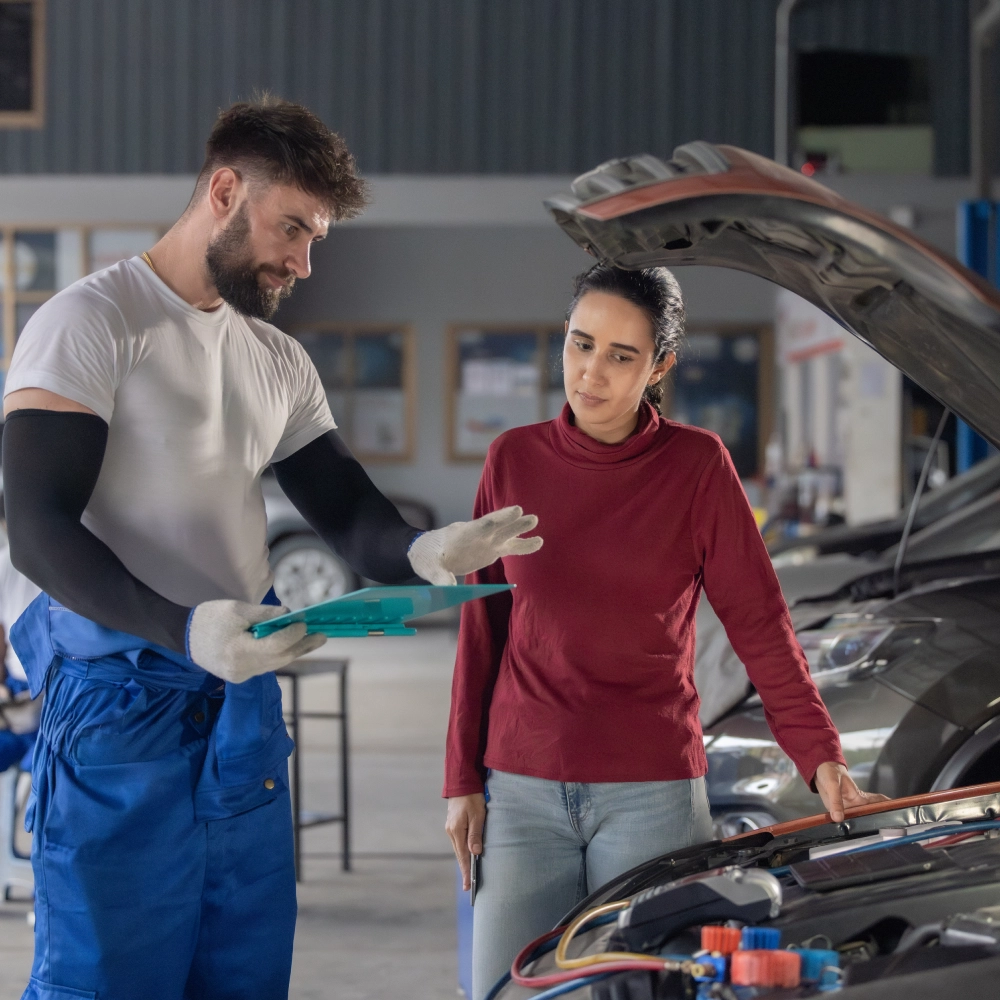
(839, 792)
(464, 825)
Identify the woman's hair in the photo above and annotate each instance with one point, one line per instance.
(655, 291)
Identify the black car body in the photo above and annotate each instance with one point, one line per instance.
(894, 702)
(905, 922)
(922, 650)
(876, 536)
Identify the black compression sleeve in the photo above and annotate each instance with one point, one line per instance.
(51, 461)
(343, 506)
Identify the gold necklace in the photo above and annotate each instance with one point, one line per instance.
(149, 260)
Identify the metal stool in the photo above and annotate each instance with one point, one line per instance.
(301, 817)
(15, 870)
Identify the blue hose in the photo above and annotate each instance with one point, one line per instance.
(573, 984)
(913, 838)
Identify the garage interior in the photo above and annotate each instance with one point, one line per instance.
(465, 116)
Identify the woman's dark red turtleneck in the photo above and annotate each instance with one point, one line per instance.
(585, 672)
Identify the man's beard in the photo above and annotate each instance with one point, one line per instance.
(229, 259)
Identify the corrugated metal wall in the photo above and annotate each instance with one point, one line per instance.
(938, 29)
(432, 86)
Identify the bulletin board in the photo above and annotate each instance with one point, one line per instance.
(38, 261)
(368, 374)
(724, 382)
(500, 377)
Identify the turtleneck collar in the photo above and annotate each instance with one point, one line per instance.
(582, 450)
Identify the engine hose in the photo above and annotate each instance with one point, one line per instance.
(910, 802)
(605, 961)
(575, 926)
(917, 937)
(913, 838)
(569, 987)
(540, 946)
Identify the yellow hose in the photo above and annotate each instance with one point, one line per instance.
(605, 956)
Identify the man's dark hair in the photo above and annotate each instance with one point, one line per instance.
(278, 142)
(655, 291)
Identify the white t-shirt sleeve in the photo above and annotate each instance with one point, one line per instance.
(310, 414)
(74, 346)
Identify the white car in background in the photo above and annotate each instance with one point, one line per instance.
(305, 569)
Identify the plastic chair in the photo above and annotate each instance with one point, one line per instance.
(15, 870)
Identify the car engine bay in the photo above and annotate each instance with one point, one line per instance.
(897, 890)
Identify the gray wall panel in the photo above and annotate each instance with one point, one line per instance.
(453, 86)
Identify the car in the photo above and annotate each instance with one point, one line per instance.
(821, 563)
(938, 323)
(946, 552)
(876, 536)
(898, 902)
(306, 571)
(918, 646)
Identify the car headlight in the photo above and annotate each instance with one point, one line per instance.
(847, 646)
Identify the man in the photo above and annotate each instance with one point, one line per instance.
(142, 405)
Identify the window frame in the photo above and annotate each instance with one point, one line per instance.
(766, 373)
(541, 329)
(11, 297)
(34, 117)
(349, 331)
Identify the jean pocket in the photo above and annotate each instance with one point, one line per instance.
(37, 990)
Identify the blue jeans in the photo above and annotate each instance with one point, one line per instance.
(548, 844)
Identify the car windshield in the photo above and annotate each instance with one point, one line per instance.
(974, 528)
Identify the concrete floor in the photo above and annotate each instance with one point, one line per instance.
(388, 927)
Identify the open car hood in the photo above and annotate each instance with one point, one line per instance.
(932, 318)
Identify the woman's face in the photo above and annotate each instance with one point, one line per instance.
(608, 360)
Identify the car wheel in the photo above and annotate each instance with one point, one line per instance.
(732, 822)
(307, 572)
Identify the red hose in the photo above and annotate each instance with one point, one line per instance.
(910, 802)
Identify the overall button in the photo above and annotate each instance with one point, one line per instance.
(269, 783)
(198, 717)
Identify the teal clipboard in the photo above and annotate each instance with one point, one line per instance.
(378, 610)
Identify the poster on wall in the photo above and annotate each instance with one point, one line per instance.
(379, 400)
(498, 387)
(722, 384)
(803, 331)
(555, 394)
(108, 246)
(367, 377)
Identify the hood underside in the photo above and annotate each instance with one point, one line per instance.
(932, 318)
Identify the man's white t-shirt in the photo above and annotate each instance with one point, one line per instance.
(16, 593)
(197, 403)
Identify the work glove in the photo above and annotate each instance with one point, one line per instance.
(465, 546)
(218, 640)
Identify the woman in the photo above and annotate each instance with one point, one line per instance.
(574, 694)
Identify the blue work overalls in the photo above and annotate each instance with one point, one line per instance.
(162, 825)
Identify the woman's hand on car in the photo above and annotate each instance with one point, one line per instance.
(839, 792)
(464, 825)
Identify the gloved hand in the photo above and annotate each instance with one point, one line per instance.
(218, 640)
(465, 546)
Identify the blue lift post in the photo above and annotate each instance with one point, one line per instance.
(463, 911)
(977, 250)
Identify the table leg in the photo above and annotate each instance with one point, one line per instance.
(345, 773)
(297, 780)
